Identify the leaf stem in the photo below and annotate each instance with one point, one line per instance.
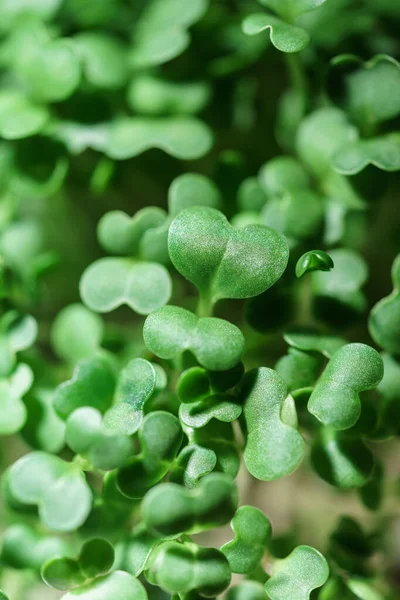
(205, 306)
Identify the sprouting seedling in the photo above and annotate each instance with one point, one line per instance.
(57, 488)
(314, 260)
(117, 585)
(341, 459)
(384, 319)
(136, 384)
(182, 568)
(95, 558)
(335, 399)
(192, 463)
(86, 435)
(25, 548)
(297, 575)
(127, 278)
(12, 389)
(202, 396)
(76, 333)
(92, 384)
(17, 333)
(274, 448)
(224, 262)
(160, 438)
(170, 330)
(169, 508)
(252, 533)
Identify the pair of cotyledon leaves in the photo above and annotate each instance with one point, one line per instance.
(295, 576)
(221, 261)
(284, 35)
(384, 319)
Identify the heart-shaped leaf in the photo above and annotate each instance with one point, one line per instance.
(314, 260)
(12, 389)
(342, 460)
(92, 384)
(86, 435)
(160, 438)
(252, 532)
(136, 384)
(216, 344)
(43, 429)
(25, 548)
(117, 585)
(110, 282)
(186, 138)
(369, 91)
(294, 577)
(273, 447)
(181, 568)
(170, 509)
(384, 319)
(149, 95)
(96, 557)
(76, 333)
(224, 262)
(58, 488)
(381, 152)
(20, 117)
(284, 36)
(193, 462)
(335, 399)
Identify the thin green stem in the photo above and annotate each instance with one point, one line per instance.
(205, 306)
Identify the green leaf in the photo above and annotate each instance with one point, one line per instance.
(192, 189)
(284, 36)
(216, 344)
(370, 90)
(247, 590)
(273, 448)
(252, 532)
(218, 437)
(92, 384)
(104, 59)
(250, 195)
(335, 400)
(314, 260)
(345, 281)
(86, 435)
(312, 341)
(223, 407)
(11, 12)
(96, 557)
(185, 138)
(341, 460)
(19, 117)
(58, 488)
(17, 332)
(136, 384)
(381, 152)
(283, 174)
(160, 438)
(294, 577)
(290, 9)
(25, 548)
(132, 552)
(321, 135)
(123, 235)
(110, 282)
(12, 389)
(299, 369)
(76, 333)
(363, 590)
(181, 568)
(384, 319)
(161, 33)
(43, 429)
(117, 585)
(224, 262)
(149, 95)
(169, 508)
(193, 462)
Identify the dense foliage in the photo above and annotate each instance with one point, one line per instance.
(198, 217)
